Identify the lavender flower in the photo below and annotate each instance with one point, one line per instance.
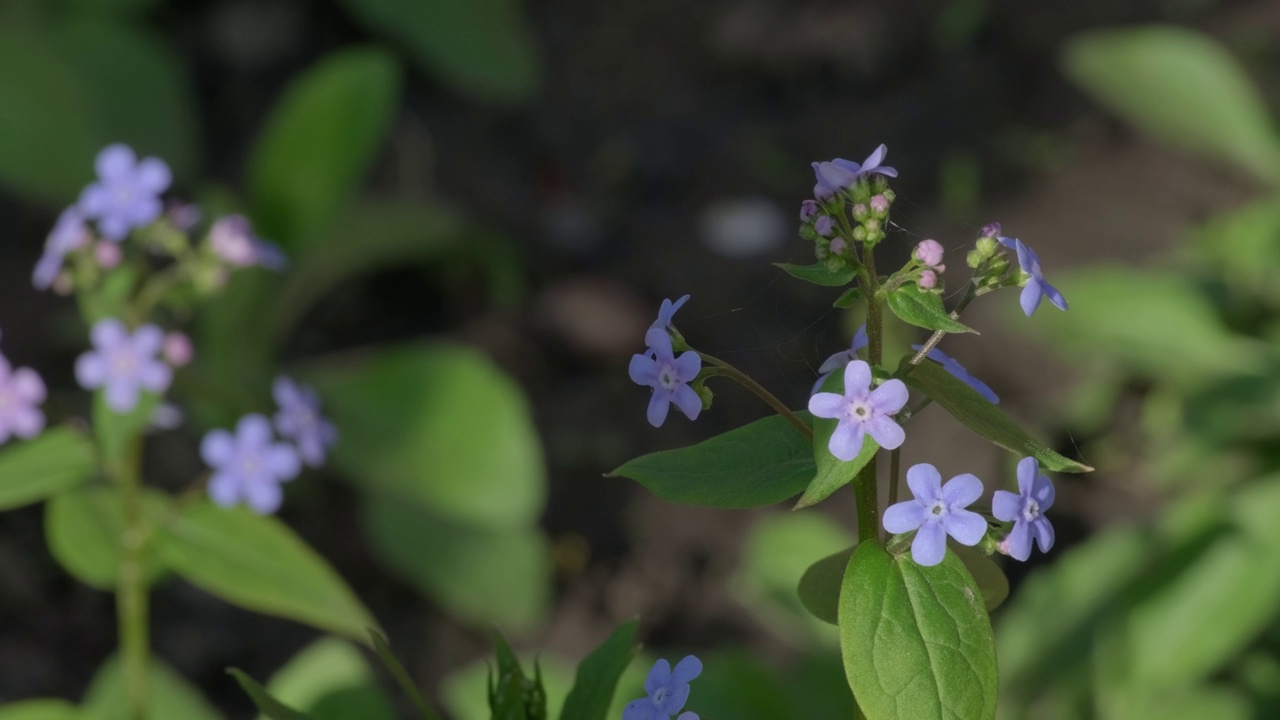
(861, 411)
(299, 420)
(123, 363)
(21, 394)
(667, 690)
(231, 238)
(949, 364)
(838, 174)
(668, 375)
(824, 226)
(68, 234)
(127, 193)
(808, 209)
(936, 512)
(842, 358)
(1026, 510)
(1037, 287)
(666, 312)
(248, 466)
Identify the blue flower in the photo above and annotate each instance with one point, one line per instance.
(949, 364)
(668, 691)
(666, 312)
(838, 174)
(231, 238)
(861, 411)
(68, 234)
(937, 511)
(1026, 510)
(299, 420)
(1037, 287)
(123, 363)
(668, 375)
(842, 358)
(127, 193)
(249, 466)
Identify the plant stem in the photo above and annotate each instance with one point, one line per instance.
(937, 336)
(895, 465)
(131, 591)
(770, 399)
(865, 486)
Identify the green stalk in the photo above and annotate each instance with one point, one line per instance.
(937, 336)
(865, 485)
(749, 383)
(131, 591)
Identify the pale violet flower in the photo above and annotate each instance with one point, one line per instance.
(1026, 510)
(937, 511)
(957, 370)
(249, 466)
(861, 411)
(669, 376)
(667, 311)
(667, 689)
(68, 234)
(1037, 287)
(231, 238)
(21, 394)
(299, 420)
(127, 193)
(838, 174)
(837, 361)
(124, 363)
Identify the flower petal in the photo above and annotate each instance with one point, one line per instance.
(659, 341)
(961, 490)
(643, 370)
(835, 362)
(659, 405)
(1043, 530)
(1042, 492)
(890, 396)
(860, 339)
(27, 422)
(1028, 469)
(687, 366)
(153, 176)
(1019, 541)
(284, 462)
(218, 448)
(1030, 299)
(224, 489)
(115, 162)
(659, 676)
(930, 545)
(264, 497)
(875, 158)
(122, 394)
(108, 333)
(1054, 296)
(968, 528)
(148, 339)
(828, 405)
(686, 398)
(154, 376)
(905, 516)
(27, 386)
(687, 670)
(1028, 260)
(675, 701)
(857, 379)
(641, 709)
(1006, 506)
(925, 482)
(887, 433)
(846, 441)
(253, 430)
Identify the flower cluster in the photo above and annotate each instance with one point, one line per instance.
(667, 690)
(22, 392)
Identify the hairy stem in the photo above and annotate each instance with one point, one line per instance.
(895, 465)
(131, 590)
(865, 485)
(937, 336)
(769, 398)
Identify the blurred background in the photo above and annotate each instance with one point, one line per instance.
(485, 202)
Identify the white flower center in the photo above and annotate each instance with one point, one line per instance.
(660, 696)
(938, 509)
(1031, 511)
(859, 410)
(123, 362)
(667, 378)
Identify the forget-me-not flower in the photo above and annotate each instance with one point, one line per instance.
(949, 364)
(836, 175)
(123, 363)
(231, 238)
(299, 420)
(21, 394)
(861, 411)
(127, 193)
(68, 234)
(666, 312)
(669, 376)
(249, 466)
(937, 511)
(668, 691)
(837, 361)
(1026, 510)
(1037, 287)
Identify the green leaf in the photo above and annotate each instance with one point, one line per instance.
(46, 135)
(169, 695)
(1181, 87)
(319, 143)
(262, 699)
(136, 87)
(971, 409)
(330, 680)
(489, 575)
(774, 557)
(464, 694)
(401, 676)
(40, 710)
(56, 461)
(598, 675)
(483, 47)
(848, 298)
(916, 640)
(832, 473)
(258, 563)
(986, 573)
(761, 463)
(438, 425)
(85, 527)
(819, 274)
(924, 308)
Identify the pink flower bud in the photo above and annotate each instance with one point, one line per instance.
(928, 280)
(880, 204)
(837, 246)
(929, 252)
(108, 254)
(1003, 546)
(177, 349)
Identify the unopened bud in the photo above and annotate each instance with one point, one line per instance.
(880, 204)
(808, 209)
(987, 246)
(929, 252)
(928, 280)
(837, 246)
(178, 349)
(990, 230)
(107, 253)
(973, 259)
(824, 225)
(861, 212)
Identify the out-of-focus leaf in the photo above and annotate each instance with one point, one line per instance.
(464, 696)
(976, 413)
(848, 298)
(924, 308)
(52, 463)
(393, 665)
(916, 640)
(258, 563)
(263, 700)
(832, 473)
(319, 143)
(438, 425)
(489, 574)
(760, 463)
(1182, 88)
(170, 696)
(596, 681)
(818, 274)
(1245, 245)
(46, 130)
(136, 88)
(327, 674)
(484, 47)
(84, 529)
(39, 710)
(737, 686)
(773, 561)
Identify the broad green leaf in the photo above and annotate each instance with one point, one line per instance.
(916, 640)
(438, 425)
(46, 130)
(318, 144)
(761, 463)
(1181, 87)
(924, 308)
(32, 470)
(330, 680)
(848, 298)
(832, 473)
(483, 47)
(263, 700)
(258, 563)
(819, 274)
(1244, 244)
(136, 87)
(773, 563)
(84, 529)
(598, 675)
(972, 410)
(392, 663)
(120, 434)
(169, 695)
(489, 575)
(40, 710)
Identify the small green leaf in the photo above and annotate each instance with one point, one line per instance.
(598, 675)
(761, 463)
(401, 675)
(40, 710)
(262, 699)
(923, 308)
(966, 405)
(330, 680)
(848, 298)
(819, 588)
(258, 563)
(319, 142)
(832, 473)
(916, 640)
(54, 462)
(169, 695)
(986, 573)
(1181, 87)
(84, 529)
(819, 274)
